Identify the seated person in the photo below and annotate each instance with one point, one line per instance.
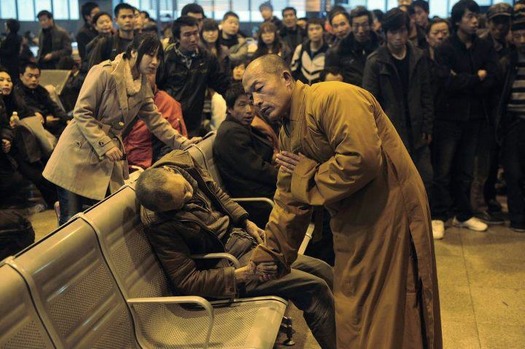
(143, 148)
(37, 98)
(244, 155)
(185, 213)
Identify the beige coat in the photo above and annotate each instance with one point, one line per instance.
(102, 112)
(385, 275)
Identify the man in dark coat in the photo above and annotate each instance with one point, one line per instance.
(189, 71)
(243, 154)
(186, 213)
(53, 41)
(397, 74)
(87, 32)
(350, 54)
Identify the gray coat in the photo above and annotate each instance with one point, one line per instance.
(102, 112)
(60, 44)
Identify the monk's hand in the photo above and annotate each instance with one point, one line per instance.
(256, 232)
(288, 161)
(114, 154)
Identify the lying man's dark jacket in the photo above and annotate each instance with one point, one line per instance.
(202, 226)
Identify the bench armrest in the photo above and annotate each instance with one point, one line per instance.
(218, 255)
(182, 300)
(254, 199)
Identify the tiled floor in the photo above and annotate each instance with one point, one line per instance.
(481, 282)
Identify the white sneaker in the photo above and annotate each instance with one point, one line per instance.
(438, 229)
(472, 224)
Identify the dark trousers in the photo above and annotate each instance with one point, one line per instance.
(308, 286)
(33, 172)
(422, 160)
(454, 149)
(71, 204)
(513, 158)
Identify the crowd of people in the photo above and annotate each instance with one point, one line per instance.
(418, 121)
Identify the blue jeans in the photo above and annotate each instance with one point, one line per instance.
(513, 158)
(71, 204)
(454, 149)
(309, 287)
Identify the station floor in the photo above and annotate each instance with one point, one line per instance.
(481, 284)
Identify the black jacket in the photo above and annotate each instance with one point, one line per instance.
(466, 96)
(293, 38)
(10, 54)
(84, 37)
(244, 158)
(188, 84)
(382, 80)
(350, 57)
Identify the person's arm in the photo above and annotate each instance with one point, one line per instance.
(455, 81)
(295, 66)
(175, 256)
(160, 127)
(427, 100)
(371, 77)
(100, 52)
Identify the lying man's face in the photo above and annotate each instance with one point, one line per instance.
(181, 190)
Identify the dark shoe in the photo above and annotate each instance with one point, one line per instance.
(518, 228)
(490, 218)
(493, 206)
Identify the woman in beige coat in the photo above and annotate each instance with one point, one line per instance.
(89, 161)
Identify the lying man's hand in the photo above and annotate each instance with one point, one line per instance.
(256, 232)
(264, 271)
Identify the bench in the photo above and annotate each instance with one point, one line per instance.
(96, 283)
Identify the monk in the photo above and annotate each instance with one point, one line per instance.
(340, 151)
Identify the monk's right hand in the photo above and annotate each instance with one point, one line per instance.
(114, 154)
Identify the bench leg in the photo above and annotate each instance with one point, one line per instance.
(287, 328)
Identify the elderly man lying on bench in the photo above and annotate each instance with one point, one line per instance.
(185, 213)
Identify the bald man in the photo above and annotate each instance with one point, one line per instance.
(341, 151)
(186, 213)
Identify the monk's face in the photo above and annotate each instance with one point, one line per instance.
(271, 93)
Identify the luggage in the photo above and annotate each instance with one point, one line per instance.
(16, 233)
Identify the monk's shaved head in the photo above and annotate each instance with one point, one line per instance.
(268, 64)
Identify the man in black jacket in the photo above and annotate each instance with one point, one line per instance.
(87, 32)
(291, 33)
(53, 41)
(350, 54)
(38, 99)
(188, 71)
(397, 74)
(472, 66)
(244, 156)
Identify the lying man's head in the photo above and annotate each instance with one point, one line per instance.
(163, 189)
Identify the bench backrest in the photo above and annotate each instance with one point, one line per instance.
(202, 153)
(20, 325)
(74, 291)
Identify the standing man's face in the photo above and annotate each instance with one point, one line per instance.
(469, 23)
(361, 28)
(289, 19)
(397, 38)
(421, 17)
(45, 22)
(437, 34)
(266, 13)
(230, 26)
(340, 26)
(124, 20)
(189, 38)
(271, 93)
(315, 32)
(197, 15)
(499, 27)
(92, 14)
(518, 38)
